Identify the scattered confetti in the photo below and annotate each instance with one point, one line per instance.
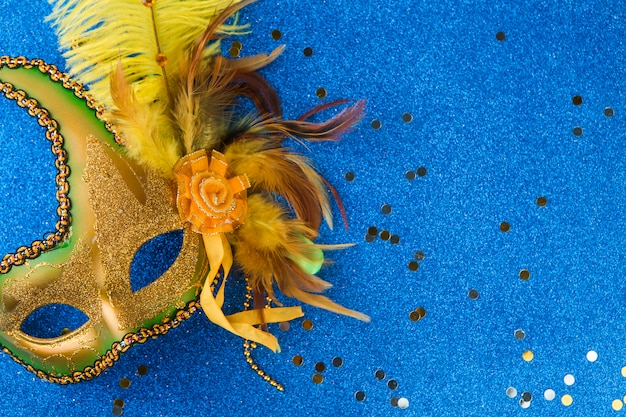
(567, 400)
(403, 403)
(528, 355)
(592, 356)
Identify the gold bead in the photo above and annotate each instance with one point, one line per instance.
(161, 59)
(148, 3)
(249, 360)
(267, 378)
(254, 366)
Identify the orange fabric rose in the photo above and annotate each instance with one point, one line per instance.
(207, 199)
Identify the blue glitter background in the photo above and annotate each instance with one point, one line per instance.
(493, 125)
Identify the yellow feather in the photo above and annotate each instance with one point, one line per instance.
(264, 246)
(144, 141)
(95, 35)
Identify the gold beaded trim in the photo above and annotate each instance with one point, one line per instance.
(248, 346)
(52, 134)
(62, 227)
(113, 354)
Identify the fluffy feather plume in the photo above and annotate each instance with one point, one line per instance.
(154, 147)
(95, 35)
(277, 170)
(265, 248)
(204, 92)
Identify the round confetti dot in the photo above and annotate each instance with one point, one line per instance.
(308, 51)
(318, 379)
(376, 124)
(592, 356)
(297, 360)
(385, 209)
(414, 316)
(577, 131)
(413, 266)
(394, 239)
(527, 396)
(385, 235)
(372, 231)
(307, 325)
(524, 274)
(421, 311)
(609, 112)
(549, 394)
(524, 404)
(505, 227)
(392, 384)
(403, 403)
(407, 117)
(142, 370)
(528, 355)
(419, 255)
(617, 405)
(472, 294)
(349, 176)
(65, 331)
(410, 175)
(276, 34)
(393, 401)
(119, 403)
(117, 411)
(422, 171)
(567, 400)
(234, 52)
(320, 92)
(500, 36)
(359, 396)
(320, 367)
(237, 44)
(284, 326)
(542, 201)
(577, 100)
(569, 379)
(520, 334)
(624, 371)
(124, 382)
(337, 362)
(380, 374)
(370, 238)
(511, 392)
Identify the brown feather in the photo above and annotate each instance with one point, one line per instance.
(282, 172)
(264, 247)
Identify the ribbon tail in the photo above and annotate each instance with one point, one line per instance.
(242, 324)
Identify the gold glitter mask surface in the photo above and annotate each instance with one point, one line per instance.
(166, 156)
(116, 208)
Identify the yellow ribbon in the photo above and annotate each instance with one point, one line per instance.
(215, 205)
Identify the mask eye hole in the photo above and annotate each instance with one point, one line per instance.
(53, 320)
(155, 257)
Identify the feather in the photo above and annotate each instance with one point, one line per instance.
(94, 36)
(265, 248)
(279, 171)
(144, 142)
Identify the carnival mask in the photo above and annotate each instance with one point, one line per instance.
(158, 151)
